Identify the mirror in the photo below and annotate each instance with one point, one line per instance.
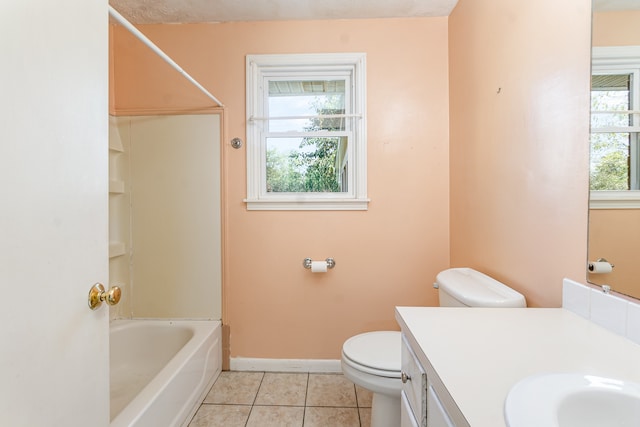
(614, 216)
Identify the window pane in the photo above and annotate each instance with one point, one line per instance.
(610, 92)
(316, 165)
(609, 169)
(306, 98)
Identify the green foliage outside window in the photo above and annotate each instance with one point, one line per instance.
(302, 170)
(311, 167)
(612, 173)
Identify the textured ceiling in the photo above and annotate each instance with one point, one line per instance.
(187, 11)
(604, 5)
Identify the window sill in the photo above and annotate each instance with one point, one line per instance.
(614, 199)
(289, 204)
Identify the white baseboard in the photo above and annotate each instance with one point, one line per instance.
(285, 365)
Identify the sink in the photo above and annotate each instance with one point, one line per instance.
(573, 400)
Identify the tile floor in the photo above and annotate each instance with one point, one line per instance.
(268, 399)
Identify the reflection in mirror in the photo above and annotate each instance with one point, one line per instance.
(614, 216)
(613, 141)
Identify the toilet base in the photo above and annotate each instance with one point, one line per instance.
(385, 410)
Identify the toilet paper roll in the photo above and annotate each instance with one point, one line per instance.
(318, 266)
(600, 267)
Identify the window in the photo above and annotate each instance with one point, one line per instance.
(615, 128)
(306, 132)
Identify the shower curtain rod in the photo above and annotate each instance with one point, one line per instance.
(144, 39)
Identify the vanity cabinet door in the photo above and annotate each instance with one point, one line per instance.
(437, 415)
(414, 384)
(407, 419)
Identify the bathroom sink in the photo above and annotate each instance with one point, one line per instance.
(573, 400)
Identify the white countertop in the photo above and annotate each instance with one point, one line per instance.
(480, 353)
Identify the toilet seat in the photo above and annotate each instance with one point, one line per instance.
(375, 353)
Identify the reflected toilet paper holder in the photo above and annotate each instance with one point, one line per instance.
(592, 266)
(306, 263)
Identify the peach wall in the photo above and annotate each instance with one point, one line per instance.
(519, 94)
(386, 256)
(616, 28)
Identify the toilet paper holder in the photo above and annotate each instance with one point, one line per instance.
(306, 263)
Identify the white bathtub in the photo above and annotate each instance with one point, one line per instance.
(161, 370)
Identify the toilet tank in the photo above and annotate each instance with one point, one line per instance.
(465, 287)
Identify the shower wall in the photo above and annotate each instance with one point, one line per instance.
(119, 214)
(165, 216)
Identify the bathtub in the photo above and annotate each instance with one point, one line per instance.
(161, 370)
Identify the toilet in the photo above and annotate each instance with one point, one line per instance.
(372, 359)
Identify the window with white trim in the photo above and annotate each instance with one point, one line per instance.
(615, 127)
(306, 132)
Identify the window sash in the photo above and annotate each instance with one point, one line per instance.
(307, 76)
(317, 116)
(633, 70)
(267, 133)
(264, 68)
(616, 129)
(264, 193)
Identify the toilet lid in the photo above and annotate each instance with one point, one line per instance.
(378, 350)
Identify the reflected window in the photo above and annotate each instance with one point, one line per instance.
(614, 133)
(615, 128)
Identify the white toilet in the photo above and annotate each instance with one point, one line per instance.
(372, 360)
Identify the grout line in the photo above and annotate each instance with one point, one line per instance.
(355, 392)
(254, 399)
(226, 404)
(306, 390)
(306, 394)
(258, 390)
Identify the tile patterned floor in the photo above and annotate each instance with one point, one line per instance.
(268, 399)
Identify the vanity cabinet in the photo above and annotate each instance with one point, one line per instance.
(414, 388)
(421, 406)
(472, 358)
(436, 414)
